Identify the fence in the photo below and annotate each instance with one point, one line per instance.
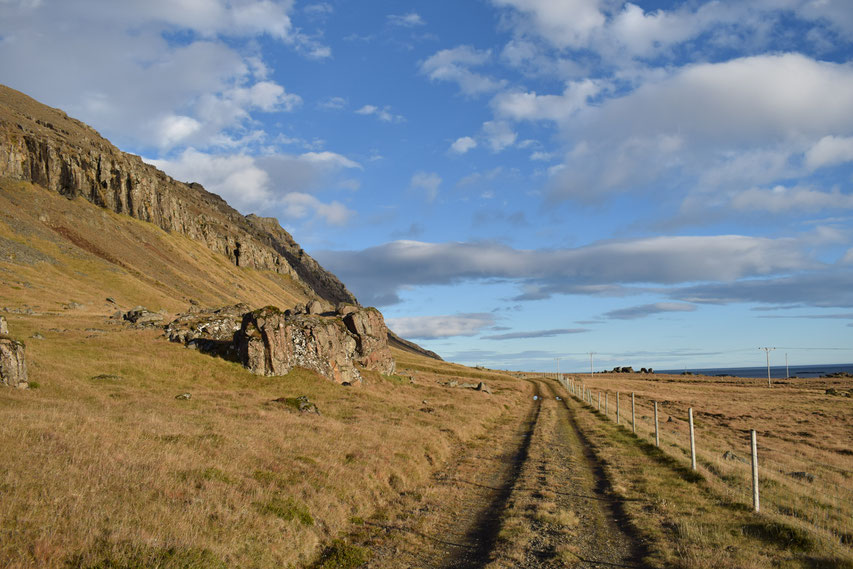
(763, 476)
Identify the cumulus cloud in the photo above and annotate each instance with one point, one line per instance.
(536, 334)
(198, 92)
(642, 311)
(463, 145)
(384, 114)
(517, 105)
(273, 183)
(774, 107)
(428, 182)
(600, 268)
(499, 135)
(432, 327)
(798, 199)
(410, 20)
(569, 23)
(455, 65)
(829, 151)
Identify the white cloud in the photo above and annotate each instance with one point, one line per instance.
(428, 182)
(378, 272)
(738, 123)
(384, 114)
(568, 23)
(198, 92)
(275, 183)
(797, 199)
(558, 108)
(299, 206)
(499, 135)
(463, 145)
(830, 151)
(333, 104)
(410, 20)
(454, 65)
(431, 327)
(330, 158)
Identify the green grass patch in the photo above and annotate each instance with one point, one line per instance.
(341, 555)
(287, 509)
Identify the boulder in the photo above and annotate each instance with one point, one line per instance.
(210, 331)
(301, 404)
(804, 476)
(271, 342)
(141, 317)
(371, 335)
(342, 309)
(314, 307)
(729, 455)
(4, 326)
(13, 366)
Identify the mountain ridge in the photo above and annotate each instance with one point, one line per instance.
(44, 146)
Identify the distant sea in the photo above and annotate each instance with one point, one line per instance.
(777, 372)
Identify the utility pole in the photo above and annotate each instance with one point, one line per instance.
(787, 373)
(767, 353)
(558, 368)
(591, 373)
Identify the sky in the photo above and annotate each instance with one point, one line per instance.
(666, 184)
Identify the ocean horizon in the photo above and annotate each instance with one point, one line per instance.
(777, 372)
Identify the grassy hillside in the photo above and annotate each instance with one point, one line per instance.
(103, 467)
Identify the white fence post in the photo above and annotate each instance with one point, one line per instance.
(617, 407)
(633, 415)
(692, 440)
(605, 403)
(599, 402)
(752, 437)
(657, 435)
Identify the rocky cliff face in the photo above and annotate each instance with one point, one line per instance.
(44, 146)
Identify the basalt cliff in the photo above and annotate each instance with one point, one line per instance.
(46, 147)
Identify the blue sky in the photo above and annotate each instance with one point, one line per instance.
(666, 184)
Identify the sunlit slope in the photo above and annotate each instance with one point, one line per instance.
(54, 251)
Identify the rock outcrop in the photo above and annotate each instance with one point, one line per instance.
(210, 331)
(44, 146)
(371, 336)
(272, 342)
(13, 366)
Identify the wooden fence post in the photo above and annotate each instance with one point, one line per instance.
(605, 403)
(657, 435)
(692, 440)
(599, 402)
(752, 437)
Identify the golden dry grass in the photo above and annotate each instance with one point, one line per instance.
(704, 519)
(103, 467)
(101, 459)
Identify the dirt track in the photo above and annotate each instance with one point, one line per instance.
(528, 494)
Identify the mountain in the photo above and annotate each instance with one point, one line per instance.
(46, 147)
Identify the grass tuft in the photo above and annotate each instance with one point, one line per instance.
(286, 509)
(342, 555)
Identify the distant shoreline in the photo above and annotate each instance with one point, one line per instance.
(777, 372)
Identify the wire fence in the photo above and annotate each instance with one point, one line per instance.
(813, 492)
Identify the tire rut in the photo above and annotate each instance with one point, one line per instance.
(536, 496)
(454, 524)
